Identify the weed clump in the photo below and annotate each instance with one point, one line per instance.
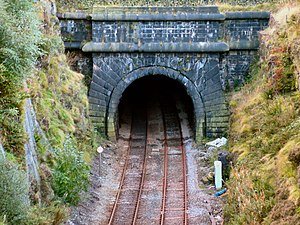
(244, 189)
(14, 190)
(71, 173)
(55, 213)
(294, 156)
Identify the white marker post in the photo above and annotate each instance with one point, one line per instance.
(218, 174)
(100, 150)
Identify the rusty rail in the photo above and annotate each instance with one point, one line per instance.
(135, 217)
(184, 171)
(165, 179)
(112, 215)
(117, 204)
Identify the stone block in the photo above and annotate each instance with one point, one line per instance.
(183, 43)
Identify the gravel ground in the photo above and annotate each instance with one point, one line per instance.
(203, 207)
(96, 206)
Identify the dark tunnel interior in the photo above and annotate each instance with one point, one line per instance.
(150, 89)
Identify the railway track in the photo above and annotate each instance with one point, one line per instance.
(174, 200)
(142, 184)
(126, 205)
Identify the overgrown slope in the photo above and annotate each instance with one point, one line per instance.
(33, 65)
(264, 187)
(19, 48)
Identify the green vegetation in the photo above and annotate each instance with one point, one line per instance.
(264, 186)
(225, 5)
(60, 100)
(14, 193)
(32, 64)
(55, 214)
(19, 40)
(71, 173)
(70, 5)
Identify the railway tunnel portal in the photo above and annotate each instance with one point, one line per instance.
(198, 50)
(155, 95)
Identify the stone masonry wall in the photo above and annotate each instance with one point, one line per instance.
(158, 31)
(199, 73)
(242, 28)
(208, 52)
(236, 65)
(75, 31)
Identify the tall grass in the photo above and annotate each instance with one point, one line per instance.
(264, 186)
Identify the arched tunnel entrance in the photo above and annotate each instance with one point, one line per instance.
(155, 115)
(150, 98)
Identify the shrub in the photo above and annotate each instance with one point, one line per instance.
(54, 214)
(19, 38)
(14, 190)
(281, 79)
(70, 174)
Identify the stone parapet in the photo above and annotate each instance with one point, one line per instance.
(206, 51)
(156, 47)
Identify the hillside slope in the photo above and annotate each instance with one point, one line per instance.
(264, 187)
(59, 139)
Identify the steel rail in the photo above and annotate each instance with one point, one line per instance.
(112, 215)
(165, 179)
(184, 168)
(135, 217)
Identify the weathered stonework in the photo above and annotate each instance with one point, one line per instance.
(208, 52)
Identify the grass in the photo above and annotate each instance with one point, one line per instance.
(263, 133)
(240, 8)
(61, 103)
(264, 186)
(224, 5)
